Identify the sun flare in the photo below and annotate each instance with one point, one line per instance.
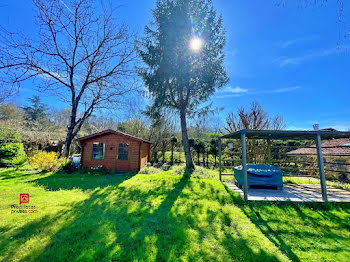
(196, 44)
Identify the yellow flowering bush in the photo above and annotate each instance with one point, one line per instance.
(46, 161)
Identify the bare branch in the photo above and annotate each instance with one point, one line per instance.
(79, 52)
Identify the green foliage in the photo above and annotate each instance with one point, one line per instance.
(161, 217)
(11, 149)
(150, 170)
(12, 155)
(173, 140)
(135, 127)
(68, 167)
(199, 172)
(199, 145)
(204, 173)
(10, 112)
(12, 152)
(179, 157)
(214, 147)
(36, 111)
(46, 161)
(311, 180)
(177, 76)
(9, 136)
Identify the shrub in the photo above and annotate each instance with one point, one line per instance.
(9, 136)
(46, 161)
(178, 169)
(150, 170)
(179, 157)
(68, 167)
(11, 149)
(12, 155)
(201, 172)
(165, 167)
(97, 171)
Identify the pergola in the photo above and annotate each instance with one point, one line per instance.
(283, 135)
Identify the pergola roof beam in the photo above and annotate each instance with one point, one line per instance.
(286, 134)
(283, 135)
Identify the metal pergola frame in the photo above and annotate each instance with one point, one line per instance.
(282, 135)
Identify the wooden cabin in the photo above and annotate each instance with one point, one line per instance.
(114, 150)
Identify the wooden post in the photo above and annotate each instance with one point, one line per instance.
(244, 165)
(269, 151)
(220, 158)
(321, 167)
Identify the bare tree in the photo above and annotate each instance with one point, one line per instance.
(253, 117)
(81, 54)
(5, 93)
(162, 128)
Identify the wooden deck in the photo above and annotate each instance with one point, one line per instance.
(295, 193)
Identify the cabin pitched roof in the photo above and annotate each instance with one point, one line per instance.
(111, 131)
(334, 147)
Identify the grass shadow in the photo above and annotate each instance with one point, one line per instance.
(296, 228)
(262, 225)
(80, 180)
(273, 236)
(145, 218)
(110, 229)
(12, 173)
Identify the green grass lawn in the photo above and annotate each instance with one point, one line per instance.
(160, 217)
(312, 180)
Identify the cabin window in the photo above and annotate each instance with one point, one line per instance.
(123, 151)
(98, 151)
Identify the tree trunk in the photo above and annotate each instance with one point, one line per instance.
(155, 156)
(68, 142)
(215, 160)
(172, 154)
(70, 135)
(198, 157)
(185, 143)
(163, 155)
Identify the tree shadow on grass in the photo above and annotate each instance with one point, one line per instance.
(35, 228)
(133, 221)
(264, 227)
(273, 236)
(299, 223)
(105, 227)
(80, 180)
(323, 212)
(11, 241)
(12, 173)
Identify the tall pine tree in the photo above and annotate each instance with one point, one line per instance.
(36, 111)
(183, 53)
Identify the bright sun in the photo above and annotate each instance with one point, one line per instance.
(196, 44)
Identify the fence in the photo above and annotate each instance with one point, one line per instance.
(337, 167)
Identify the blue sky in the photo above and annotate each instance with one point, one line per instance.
(292, 59)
